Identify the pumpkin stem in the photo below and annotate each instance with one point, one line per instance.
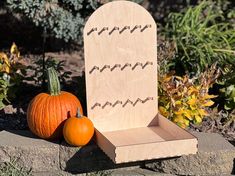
(78, 113)
(53, 81)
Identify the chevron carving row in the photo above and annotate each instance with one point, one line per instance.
(121, 67)
(123, 104)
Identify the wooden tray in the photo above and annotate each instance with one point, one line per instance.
(121, 83)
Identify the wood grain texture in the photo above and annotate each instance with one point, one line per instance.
(121, 66)
(147, 142)
(121, 86)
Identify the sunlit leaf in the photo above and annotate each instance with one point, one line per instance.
(163, 111)
(188, 114)
(207, 96)
(179, 112)
(14, 50)
(198, 119)
(208, 103)
(192, 101)
(192, 89)
(202, 112)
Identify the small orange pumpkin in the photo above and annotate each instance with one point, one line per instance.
(78, 130)
(47, 112)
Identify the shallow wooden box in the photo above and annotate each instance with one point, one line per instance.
(164, 139)
(121, 85)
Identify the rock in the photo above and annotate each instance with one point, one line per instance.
(87, 159)
(29, 152)
(136, 172)
(9, 109)
(215, 157)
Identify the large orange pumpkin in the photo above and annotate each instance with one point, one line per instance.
(47, 111)
(78, 130)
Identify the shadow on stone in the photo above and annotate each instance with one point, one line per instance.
(232, 142)
(233, 171)
(88, 159)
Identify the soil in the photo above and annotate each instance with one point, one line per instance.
(217, 122)
(13, 117)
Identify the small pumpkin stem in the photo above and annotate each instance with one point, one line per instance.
(79, 113)
(53, 81)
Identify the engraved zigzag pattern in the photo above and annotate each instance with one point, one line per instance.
(122, 67)
(123, 104)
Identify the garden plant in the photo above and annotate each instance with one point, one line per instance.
(196, 70)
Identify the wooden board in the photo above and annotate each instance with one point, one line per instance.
(143, 143)
(120, 45)
(121, 66)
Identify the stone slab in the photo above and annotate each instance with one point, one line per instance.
(87, 159)
(137, 172)
(215, 157)
(30, 152)
(115, 172)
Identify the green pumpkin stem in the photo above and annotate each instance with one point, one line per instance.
(78, 113)
(53, 81)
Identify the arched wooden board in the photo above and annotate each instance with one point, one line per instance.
(121, 66)
(121, 83)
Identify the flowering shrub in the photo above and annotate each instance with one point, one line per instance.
(11, 74)
(184, 100)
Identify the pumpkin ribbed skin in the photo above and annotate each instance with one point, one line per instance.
(46, 113)
(78, 131)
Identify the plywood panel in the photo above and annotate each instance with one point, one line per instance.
(155, 150)
(173, 129)
(135, 136)
(121, 66)
(121, 85)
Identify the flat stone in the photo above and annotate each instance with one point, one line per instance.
(137, 172)
(215, 157)
(9, 109)
(30, 152)
(87, 159)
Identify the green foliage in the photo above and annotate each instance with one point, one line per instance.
(12, 73)
(226, 86)
(202, 37)
(229, 96)
(165, 54)
(39, 72)
(12, 169)
(63, 19)
(4, 87)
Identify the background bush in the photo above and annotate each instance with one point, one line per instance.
(203, 35)
(63, 19)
